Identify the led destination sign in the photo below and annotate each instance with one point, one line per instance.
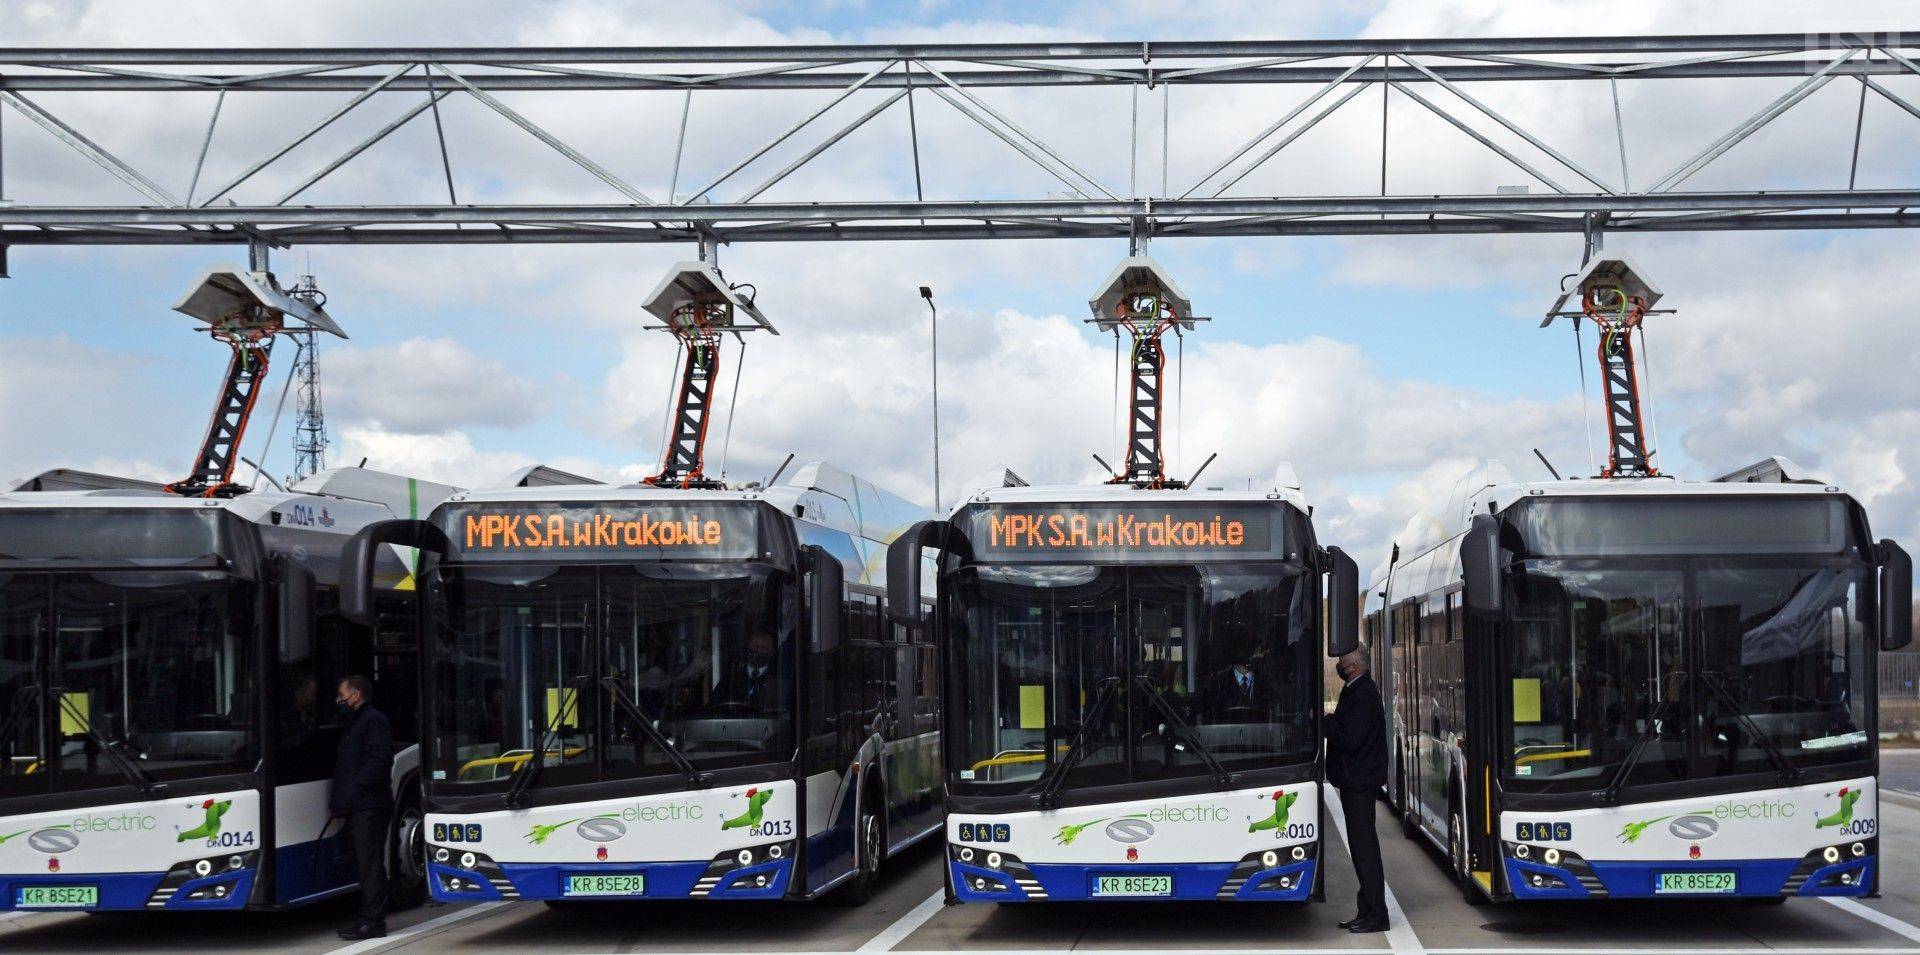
(589, 531)
(1126, 532)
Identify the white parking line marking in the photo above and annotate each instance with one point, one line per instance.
(458, 915)
(906, 924)
(1400, 936)
(1875, 916)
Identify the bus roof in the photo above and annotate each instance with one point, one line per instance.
(348, 499)
(1124, 493)
(1488, 488)
(817, 493)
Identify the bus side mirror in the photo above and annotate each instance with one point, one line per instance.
(1343, 609)
(903, 567)
(296, 610)
(1896, 596)
(1480, 565)
(363, 551)
(826, 595)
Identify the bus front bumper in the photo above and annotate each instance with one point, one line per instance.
(215, 883)
(462, 875)
(1254, 878)
(1828, 871)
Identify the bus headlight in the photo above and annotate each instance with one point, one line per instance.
(467, 859)
(1522, 851)
(1269, 858)
(1832, 854)
(745, 857)
(1859, 849)
(993, 860)
(966, 855)
(441, 855)
(1550, 857)
(1299, 853)
(205, 867)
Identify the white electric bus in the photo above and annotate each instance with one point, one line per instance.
(654, 692)
(1134, 689)
(1641, 687)
(167, 669)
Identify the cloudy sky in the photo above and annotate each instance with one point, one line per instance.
(1382, 369)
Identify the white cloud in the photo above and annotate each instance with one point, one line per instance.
(428, 384)
(1780, 345)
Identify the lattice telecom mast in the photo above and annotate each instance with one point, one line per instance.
(1140, 299)
(1616, 297)
(696, 306)
(310, 423)
(246, 311)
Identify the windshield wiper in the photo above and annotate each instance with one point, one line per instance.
(697, 778)
(530, 770)
(1221, 777)
(1611, 794)
(1049, 795)
(1789, 773)
(141, 780)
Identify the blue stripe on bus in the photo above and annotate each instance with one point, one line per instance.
(1755, 878)
(129, 891)
(664, 880)
(1074, 883)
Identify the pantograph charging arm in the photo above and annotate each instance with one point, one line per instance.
(1618, 316)
(685, 457)
(212, 474)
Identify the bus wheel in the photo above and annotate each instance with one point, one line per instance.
(1457, 851)
(409, 868)
(871, 834)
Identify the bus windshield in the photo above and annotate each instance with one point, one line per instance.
(1150, 669)
(1711, 667)
(569, 660)
(123, 678)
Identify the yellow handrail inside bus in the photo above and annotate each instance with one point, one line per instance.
(1559, 754)
(1024, 757)
(515, 758)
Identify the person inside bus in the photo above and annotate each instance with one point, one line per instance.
(746, 680)
(363, 795)
(1357, 767)
(1241, 692)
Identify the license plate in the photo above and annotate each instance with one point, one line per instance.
(1132, 886)
(629, 884)
(57, 897)
(1696, 883)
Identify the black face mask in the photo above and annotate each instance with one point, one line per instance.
(346, 709)
(757, 660)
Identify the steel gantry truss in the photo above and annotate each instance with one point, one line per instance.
(1441, 76)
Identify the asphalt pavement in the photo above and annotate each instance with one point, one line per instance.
(906, 915)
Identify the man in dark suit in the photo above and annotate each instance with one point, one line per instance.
(1244, 687)
(1357, 766)
(746, 681)
(363, 795)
